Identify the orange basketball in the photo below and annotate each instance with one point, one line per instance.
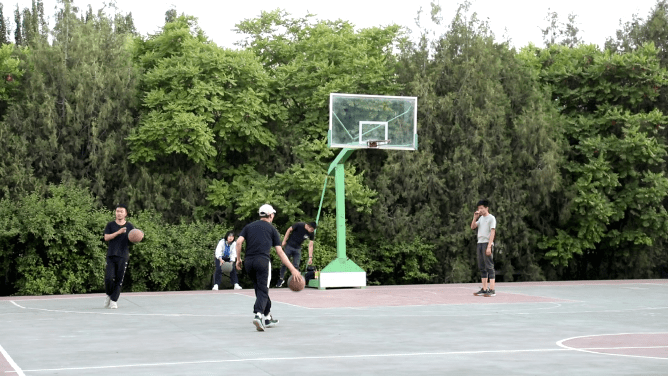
(294, 285)
(136, 235)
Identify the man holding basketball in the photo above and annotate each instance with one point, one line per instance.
(486, 225)
(292, 243)
(260, 236)
(116, 235)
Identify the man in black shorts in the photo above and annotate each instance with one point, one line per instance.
(116, 234)
(292, 243)
(261, 235)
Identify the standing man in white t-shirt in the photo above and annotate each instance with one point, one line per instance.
(486, 225)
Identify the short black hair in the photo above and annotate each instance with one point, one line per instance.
(484, 203)
(313, 224)
(122, 206)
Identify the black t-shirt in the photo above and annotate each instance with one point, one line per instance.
(118, 246)
(260, 236)
(298, 235)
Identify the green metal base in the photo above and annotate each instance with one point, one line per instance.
(341, 265)
(339, 273)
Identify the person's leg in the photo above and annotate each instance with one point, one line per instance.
(233, 276)
(480, 250)
(262, 268)
(489, 266)
(296, 257)
(109, 274)
(121, 265)
(219, 273)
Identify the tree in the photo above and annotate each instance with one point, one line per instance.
(615, 185)
(18, 34)
(76, 107)
(564, 34)
(487, 130)
(4, 31)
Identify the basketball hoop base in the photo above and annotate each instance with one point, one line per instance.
(340, 273)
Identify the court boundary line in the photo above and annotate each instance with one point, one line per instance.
(324, 357)
(371, 314)
(11, 362)
(589, 349)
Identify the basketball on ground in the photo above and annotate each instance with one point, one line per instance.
(136, 235)
(294, 285)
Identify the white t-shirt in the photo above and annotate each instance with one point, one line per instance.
(485, 226)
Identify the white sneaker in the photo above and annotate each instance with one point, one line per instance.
(215, 288)
(113, 305)
(107, 300)
(237, 287)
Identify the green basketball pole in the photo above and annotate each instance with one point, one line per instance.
(341, 272)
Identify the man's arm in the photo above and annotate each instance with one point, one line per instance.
(240, 241)
(284, 259)
(310, 252)
(287, 235)
(492, 233)
(108, 237)
(474, 224)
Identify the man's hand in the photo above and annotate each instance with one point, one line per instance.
(489, 251)
(239, 264)
(122, 230)
(298, 277)
(310, 260)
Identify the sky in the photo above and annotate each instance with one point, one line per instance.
(517, 20)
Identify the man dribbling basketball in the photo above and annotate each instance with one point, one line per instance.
(260, 237)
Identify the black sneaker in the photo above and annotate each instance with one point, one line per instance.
(270, 322)
(481, 292)
(490, 292)
(279, 283)
(259, 323)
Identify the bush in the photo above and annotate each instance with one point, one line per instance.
(51, 243)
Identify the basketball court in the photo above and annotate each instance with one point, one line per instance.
(533, 328)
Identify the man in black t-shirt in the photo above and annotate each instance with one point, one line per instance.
(260, 236)
(116, 235)
(292, 243)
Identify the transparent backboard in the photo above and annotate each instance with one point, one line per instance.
(372, 121)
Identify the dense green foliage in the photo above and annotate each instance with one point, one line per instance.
(568, 142)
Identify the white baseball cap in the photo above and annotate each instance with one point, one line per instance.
(266, 209)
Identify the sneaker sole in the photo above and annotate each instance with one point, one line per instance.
(489, 295)
(478, 294)
(258, 325)
(270, 325)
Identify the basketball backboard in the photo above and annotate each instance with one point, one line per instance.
(359, 121)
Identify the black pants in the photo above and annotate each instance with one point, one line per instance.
(113, 276)
(219, 272)
(293, 253)
(259, 270)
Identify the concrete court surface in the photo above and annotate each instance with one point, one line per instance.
(531, 328)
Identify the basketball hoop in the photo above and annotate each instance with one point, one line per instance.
(372, 144)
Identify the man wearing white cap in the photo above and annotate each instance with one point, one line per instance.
(261, 235)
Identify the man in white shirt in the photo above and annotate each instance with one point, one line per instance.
(486, 225)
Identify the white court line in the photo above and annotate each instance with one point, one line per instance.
(329, 357)
(467, 314)
(127, 314)
(590, 349)
(11, 362)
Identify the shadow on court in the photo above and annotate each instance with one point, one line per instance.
(533, 328)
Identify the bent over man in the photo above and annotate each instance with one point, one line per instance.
(260, 236)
